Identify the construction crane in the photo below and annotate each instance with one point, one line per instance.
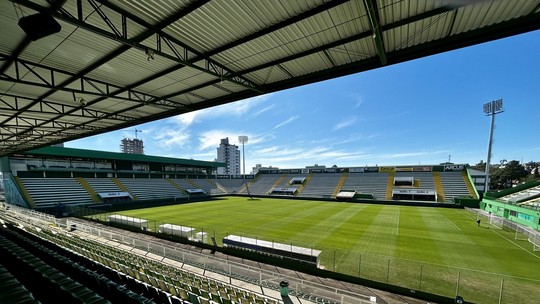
(134, 130)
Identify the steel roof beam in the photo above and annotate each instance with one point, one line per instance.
(210, 67)
(375, 23)
(108, 57)
(253, 36)
(11, 102)
(289, 58)
(33, 122)
(49, 75)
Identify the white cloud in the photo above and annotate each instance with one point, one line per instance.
(212, 138)
(263, 110)
(345, 123)
(287, 157)
(235, 109)
(172, 137)
(358, 101)
(288, 121)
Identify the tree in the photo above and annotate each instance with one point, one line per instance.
(533, 168)
(505, 177)
(481, 166)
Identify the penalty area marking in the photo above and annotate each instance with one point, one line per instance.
(453, 224)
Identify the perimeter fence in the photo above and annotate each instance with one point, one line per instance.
(473, 285)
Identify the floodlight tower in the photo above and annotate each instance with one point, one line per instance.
(491, 109)
(243, 139)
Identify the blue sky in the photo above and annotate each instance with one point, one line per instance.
(418, 112)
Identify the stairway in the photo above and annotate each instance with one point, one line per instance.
(438, 186)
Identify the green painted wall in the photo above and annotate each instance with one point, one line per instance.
(526, 216)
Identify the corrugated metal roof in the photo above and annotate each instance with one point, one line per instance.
(118, 63)
(93, 154)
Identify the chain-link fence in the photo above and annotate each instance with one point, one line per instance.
(232, 270)
(472, 285)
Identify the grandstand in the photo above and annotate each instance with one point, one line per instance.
(124, 267)
(320, 185)
(48, 192)
(228, 185)
(454, 187)
(56, 180)
(369, 183)
(139, 67)
(528, 196)
(149, 189)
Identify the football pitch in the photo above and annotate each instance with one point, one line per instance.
(436, 250)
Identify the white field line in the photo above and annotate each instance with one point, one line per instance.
(509, 240)
(453, 224)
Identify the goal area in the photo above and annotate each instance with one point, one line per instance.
(530, 235)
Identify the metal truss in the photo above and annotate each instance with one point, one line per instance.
(10, 102)
(177, 51)
(47, 77)
(39, 131)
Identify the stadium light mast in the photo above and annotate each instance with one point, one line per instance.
(243, 139)
(491, 109)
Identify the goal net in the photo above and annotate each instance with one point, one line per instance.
(530, 235)
(534, 239)
(482, 220)
(496, 222)
(522, 234)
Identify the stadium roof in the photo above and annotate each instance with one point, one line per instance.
(116, 64)
(93, 154)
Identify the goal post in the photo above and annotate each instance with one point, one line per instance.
(535, 241)
(521, 234)
(529, 235)
(482, 220)
(496, 222)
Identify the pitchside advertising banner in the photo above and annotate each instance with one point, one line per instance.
(385, 169)
(404, 169)
(234, 176)
(364, 170)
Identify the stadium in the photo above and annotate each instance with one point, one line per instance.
(87, 226)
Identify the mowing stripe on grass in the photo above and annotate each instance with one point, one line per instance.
(423, 234)
(397, 222)
(334, 224)
(514, 243)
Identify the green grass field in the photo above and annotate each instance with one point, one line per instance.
(436, 250)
